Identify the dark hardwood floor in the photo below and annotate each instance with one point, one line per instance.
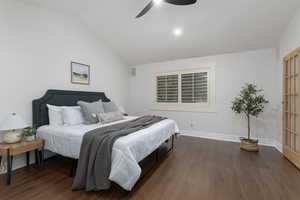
(197, 169)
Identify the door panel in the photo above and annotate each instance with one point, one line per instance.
(291, 108)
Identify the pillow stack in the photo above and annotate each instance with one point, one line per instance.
(65, 115)
(84, 113)
(72, 116)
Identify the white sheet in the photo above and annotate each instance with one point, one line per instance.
(127, 151)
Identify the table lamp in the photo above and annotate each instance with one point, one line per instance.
(12, 126)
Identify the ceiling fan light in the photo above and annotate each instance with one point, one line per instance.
(157, 2)
(177, 32)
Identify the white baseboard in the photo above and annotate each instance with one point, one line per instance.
(230, 138)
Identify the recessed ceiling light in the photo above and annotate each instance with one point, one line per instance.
(157, 2)
(177, 32)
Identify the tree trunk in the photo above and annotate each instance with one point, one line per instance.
(248, 118)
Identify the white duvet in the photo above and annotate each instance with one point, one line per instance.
(127, 151)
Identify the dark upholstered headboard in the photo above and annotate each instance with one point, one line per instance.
(60, 98)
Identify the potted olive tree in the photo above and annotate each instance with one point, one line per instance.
(250, 103)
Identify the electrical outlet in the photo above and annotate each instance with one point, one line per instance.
(192, 125)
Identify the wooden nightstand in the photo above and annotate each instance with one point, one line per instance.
(11, 150)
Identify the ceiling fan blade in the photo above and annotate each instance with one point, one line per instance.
(146, 9)
(181, 2)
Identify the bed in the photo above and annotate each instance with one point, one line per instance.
(127, 152)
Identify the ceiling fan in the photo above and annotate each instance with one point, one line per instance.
(174, 2)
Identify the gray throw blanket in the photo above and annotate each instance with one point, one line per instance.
(94, 163)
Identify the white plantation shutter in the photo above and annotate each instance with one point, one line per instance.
(167, 88)
(191, 90)
(194, 87)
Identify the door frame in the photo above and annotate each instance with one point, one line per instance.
(290, 110)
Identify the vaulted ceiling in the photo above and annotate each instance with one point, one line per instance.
(209, 27)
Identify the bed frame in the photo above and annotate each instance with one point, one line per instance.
(70, 98)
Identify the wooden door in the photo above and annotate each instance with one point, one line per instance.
(291, 107)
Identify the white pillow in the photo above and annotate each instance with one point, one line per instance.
(55, 115)
(72, 115)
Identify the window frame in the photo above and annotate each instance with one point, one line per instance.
(209, 106)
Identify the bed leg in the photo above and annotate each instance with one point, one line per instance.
(172, 148)
(73, 168)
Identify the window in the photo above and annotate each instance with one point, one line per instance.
(186, 90)
(167, 88)
(194, 88)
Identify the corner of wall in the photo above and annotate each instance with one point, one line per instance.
(278, 145)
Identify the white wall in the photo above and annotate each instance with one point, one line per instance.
(232, 72)
(289, 41)
(36, 48)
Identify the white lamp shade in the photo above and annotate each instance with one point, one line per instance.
(13, 122)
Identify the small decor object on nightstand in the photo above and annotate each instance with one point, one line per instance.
(13, 125)
(29, 134)
(80, 73)
(250, 103)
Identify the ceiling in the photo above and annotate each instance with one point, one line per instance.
(209, 27)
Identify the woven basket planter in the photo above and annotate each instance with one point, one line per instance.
(249, 145)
